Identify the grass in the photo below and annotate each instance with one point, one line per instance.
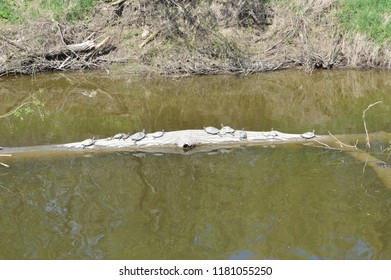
(6, 10)
(372, 17)
(70, 10)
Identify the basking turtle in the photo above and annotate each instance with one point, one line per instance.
(211, 130)
(242, 135)
(226, 129)
(88, 142)
(271, 133)
(382, 164)
(125, 136)
(118, 136)
(308, 135)
(158, 134)
(138, 136)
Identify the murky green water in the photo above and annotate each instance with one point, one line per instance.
(294, 202)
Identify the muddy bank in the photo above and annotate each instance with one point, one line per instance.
(190, 38)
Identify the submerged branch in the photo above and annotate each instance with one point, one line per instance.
(365, 124)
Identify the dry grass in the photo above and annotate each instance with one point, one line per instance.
(206, 37)
(309, 34)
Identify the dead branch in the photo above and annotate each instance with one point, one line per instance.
(2, 163)
(13, 43)
(365, 124)
(24, 103)
(61, 34)
(149, 39)
(341, 144)
(118, 2)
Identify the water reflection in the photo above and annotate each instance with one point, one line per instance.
(248, 203)
(289, 101)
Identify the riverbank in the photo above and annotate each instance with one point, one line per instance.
(190, 38)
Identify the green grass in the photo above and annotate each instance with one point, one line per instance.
(6, 10)
(372, 17)
(70, 10)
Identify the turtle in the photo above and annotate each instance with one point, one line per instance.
(226, 129)
(308, 135)
(382, 164)
(272, 133)
(138, 136)
(88, 142)
(158, 134)
(125, 136)
(211, 130)
(243, 135)
(118, 136)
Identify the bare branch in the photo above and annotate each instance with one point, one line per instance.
(365, 124)
(341, 144)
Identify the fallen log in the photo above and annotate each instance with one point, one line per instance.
(198, 141)
(72, 49)
(186, 140)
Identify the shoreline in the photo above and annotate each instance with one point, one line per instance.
(201, 39)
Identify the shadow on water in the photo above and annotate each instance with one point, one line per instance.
(250, 203)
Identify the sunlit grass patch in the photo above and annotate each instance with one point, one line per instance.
(71, 10)
(372, 17)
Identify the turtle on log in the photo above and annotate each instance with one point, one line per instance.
(88, 142)
(138, 136)
(211, 130)
(308, 135)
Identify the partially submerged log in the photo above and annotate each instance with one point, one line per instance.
(197, 140)
(181, 141)
(185, 140)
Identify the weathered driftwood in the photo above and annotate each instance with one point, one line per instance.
(194, 141)
(171, 142)
(187, 139)
(83, 47)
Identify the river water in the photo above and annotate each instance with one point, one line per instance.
(282, 202)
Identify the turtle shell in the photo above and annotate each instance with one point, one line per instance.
(138, 136)
(158, 134)
(226, 129)
(118, 136)
(242, 135)
(308, 135)
(211, 130)
(88, 142)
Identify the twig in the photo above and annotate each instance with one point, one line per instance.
(12, 43)
(3, 164)
(16, 109)
(149, 39)
(341, 144)
(365, 124)
(6, 189)
(324, 145)
(61, 35)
